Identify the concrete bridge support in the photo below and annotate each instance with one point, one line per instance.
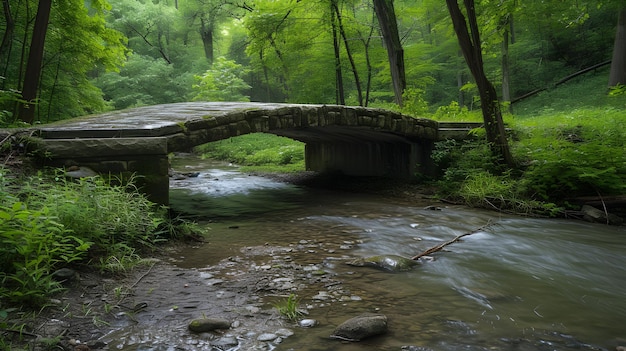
(400, 160)
(145, 159)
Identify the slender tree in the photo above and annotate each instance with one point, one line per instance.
(346, 44)
(340, 98)
(469, 41)
(618, 63)
(386, 15)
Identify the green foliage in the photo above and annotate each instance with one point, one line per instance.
(223, 82)
(455, 112)
(414, 102)
(141, 82)
(259, 151)
(32, 244)
(112, 217)
(573, 154)
(564, 151)
(617, 90)
(7, 99)
(78, 41)
(584, 92)
(289, 307)
(50, 223)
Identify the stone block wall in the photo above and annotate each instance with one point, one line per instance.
(142, 159)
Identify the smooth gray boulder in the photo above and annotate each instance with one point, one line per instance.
(361, 327)
(594, 215)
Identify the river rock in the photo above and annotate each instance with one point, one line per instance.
(208, 324)
(361, 327)
(594, 215)
(307, 323)
(267, 337)
(391, 263)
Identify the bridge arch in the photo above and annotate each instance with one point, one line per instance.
(354, 140)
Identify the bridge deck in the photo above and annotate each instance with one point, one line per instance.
(168, 119)
(147, 121)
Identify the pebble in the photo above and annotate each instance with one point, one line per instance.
(267, 337)
(225, 342)
(307, 323)
(322, 295)
(284, 332)
(252, 309)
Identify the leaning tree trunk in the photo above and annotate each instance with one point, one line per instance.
(389, 27)
(618, 63)
(34, 64)
(471, 48)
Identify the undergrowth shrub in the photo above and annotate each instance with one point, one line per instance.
(562, 155)
(50, 223)
(105, 214)
(32, 244)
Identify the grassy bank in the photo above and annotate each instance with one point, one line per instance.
(48, 223)
(568, 143)
(258, 152)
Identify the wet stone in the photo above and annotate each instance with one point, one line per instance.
(284, 332)
(267, 337)
(225, 342)
(361, 327)
(208, 324)
(307, 323)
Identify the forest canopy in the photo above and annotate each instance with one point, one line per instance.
(97, 55)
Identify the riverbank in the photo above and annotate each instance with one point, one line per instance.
(150, 307)
(158, 300)
(158, 297)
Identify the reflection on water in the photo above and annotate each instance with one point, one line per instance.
(521, 284)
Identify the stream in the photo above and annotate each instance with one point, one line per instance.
(521, 284)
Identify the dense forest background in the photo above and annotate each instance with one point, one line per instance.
(102, 55)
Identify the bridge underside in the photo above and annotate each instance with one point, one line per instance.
(363, 152)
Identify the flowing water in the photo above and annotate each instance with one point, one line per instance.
(520, 284)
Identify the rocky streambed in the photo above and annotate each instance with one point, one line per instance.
(152, 307)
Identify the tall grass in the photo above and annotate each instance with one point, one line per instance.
(52, 221)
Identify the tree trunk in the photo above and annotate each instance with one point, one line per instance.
(471, 48)
(389, 27)
(618, 63)
(506, 90)
(8, 32)
(206, 33)
(339, 92)
(357, 81)
(34, 64)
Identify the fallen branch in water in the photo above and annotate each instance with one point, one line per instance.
(457, 238)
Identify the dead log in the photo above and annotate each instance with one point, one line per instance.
(457, 238)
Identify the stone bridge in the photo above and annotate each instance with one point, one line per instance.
(353, 140)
